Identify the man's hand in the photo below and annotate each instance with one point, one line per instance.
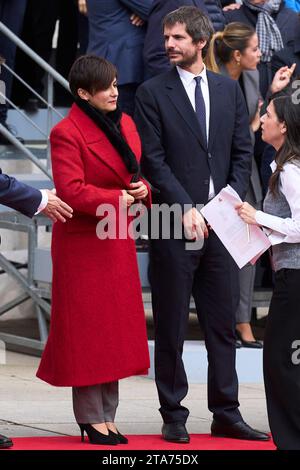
(138, 190)
(136, 20)
(247, 213)
(194, 225)
(282, 78)
(56, 209)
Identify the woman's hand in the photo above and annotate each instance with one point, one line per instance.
(127, 198)
(247, 213)
(138, 190)
(282, 78)
(255, 124)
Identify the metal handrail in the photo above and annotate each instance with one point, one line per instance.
(24, 115)
(25, 150)
(34, 56)
(35, 93)
(51, 75)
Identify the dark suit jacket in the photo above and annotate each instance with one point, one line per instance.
(19, 196)
(155, 57)
(112, 36)
(176, 160)
(289, 55)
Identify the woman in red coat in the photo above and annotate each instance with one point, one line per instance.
(97, 334)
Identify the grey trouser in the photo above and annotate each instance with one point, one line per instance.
(96, 403)
(247, 277)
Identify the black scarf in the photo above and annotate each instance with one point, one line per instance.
(110, 124)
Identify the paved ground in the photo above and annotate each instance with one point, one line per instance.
(30, 407)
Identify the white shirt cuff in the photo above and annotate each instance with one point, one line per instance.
(43, 202)
(270, 221)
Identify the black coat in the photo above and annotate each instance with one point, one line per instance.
(289, 55)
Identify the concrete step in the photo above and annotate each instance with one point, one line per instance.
(9, 152)
(26, 130)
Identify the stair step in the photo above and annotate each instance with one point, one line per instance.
(9, 152)
(26, 130)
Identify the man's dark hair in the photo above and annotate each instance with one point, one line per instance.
(197, 24)
(92, 73)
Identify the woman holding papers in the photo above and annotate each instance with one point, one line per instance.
(235, 52)
(281, 219)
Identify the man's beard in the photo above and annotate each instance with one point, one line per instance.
(186, 61)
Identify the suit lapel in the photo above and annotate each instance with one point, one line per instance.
(177, 94)
(98, 143)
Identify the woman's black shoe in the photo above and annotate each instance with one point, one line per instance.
(248, 344)
(97, 437)
(121, 439)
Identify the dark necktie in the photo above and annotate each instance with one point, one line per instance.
(200, 107)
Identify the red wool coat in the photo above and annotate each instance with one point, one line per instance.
(97, 331)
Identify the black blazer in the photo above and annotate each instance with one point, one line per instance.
(176, 159)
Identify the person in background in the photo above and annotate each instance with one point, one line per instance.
(117, 32)
(288, 56)
(280, 219)
(235, 52)
(293, 5)
(97, 332)
(275, 25)
(12, 15)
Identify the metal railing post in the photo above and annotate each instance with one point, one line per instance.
(49, 116)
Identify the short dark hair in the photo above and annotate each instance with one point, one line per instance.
(197, 23)
(92, 73)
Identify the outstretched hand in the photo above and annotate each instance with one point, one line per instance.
(57, 209)
(282, 78)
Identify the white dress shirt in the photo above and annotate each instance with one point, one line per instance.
(285, 230)
(189, 84)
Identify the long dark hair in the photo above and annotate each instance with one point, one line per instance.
(287, 109)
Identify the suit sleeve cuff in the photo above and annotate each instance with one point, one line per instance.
(43, 202)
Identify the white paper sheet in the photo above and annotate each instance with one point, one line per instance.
(246, 243)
